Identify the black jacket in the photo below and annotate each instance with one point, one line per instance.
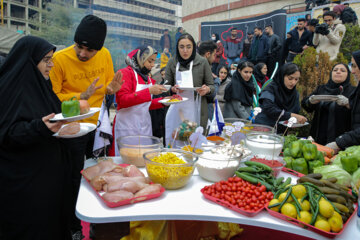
(296, 44)
(262, 48)
(352, 137)
(330, 120)
(274, 46)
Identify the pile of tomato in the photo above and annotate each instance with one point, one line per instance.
(240, 193)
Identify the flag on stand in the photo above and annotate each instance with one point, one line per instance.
(103, 132)
(217, 123)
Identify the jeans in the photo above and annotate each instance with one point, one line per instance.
(290, 57)
(232, 60)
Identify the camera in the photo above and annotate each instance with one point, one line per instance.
(323, 29)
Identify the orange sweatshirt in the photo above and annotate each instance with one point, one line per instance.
(70, 76)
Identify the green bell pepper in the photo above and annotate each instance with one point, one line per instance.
(288, 161)
(287, 152)
(295, 149)
(349, 163)
(314, 164)
(70, 108)
(320, 157)
(300, 165)
(309, 151)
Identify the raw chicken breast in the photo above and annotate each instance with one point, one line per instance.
(126, 184)
(117, 196)
(132, 171)
(100, 168)
(150, 189)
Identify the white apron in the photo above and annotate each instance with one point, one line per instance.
(135, 120)
(190, 109)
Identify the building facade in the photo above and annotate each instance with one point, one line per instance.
(196, 12)
(137, 22)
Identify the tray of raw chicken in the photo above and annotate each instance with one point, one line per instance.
(120, 184)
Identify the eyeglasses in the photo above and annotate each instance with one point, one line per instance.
(47, 60)
(330, 20)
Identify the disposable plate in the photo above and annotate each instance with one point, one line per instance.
(60, 117)
(166, 102)
(84, 129)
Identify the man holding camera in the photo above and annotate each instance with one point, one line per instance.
(328, 36)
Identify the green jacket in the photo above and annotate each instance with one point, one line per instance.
(201, 75)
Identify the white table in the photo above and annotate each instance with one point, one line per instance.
(185, 204)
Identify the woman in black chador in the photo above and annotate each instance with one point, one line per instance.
(33, 163)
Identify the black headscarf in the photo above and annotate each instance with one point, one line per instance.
(259, 76)
(284, 98)
(356, 56)
(25, 94)
(242, 90)
(332, 88)
(182, 61)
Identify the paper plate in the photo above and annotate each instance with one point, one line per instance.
(166, 103)
(295, 125)
(84, 129)
(60, 117)
(326, 98)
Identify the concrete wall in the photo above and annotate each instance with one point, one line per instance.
(196, 12)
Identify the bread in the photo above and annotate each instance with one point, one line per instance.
(70, 129)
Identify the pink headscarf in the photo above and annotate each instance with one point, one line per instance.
(339, 8)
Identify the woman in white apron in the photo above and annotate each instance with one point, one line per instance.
(191, 77)
(134, 99)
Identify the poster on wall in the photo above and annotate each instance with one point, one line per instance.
(291, 19)
(277, 19)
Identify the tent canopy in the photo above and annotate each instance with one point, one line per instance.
(7, 39)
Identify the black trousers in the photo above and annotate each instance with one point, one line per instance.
(79, 147)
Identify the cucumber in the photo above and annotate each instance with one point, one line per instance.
(261, 165)
(247, 177)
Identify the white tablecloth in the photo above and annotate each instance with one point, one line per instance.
(185, 204)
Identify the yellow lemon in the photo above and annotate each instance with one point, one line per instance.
(299, 191)
(305, 205)
(289, 210)
(323, 225)
(325, 208)
(337, 215)
(319, 217)
(274, 201)
(305, 217)
(336, 223)
(282, 197)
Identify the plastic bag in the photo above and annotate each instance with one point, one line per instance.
(328, 171)
(356, 180)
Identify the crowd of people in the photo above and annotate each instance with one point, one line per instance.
(37, 169)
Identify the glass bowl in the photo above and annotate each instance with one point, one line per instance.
(161, 168)
(256, 128)
(268, 144)
(216, 167)
(132, 148)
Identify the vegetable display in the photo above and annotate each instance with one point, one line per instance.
(303, 156)
(240, 193)
(319, 202)
(70, 108)
(259, 173)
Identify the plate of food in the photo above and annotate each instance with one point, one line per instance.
(189, 88)
(174, 99)
(74, 130)
(295, 125)
(60, 117)
(325, 98)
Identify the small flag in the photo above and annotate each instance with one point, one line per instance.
(217, 123)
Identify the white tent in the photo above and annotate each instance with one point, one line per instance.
(7, 39)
